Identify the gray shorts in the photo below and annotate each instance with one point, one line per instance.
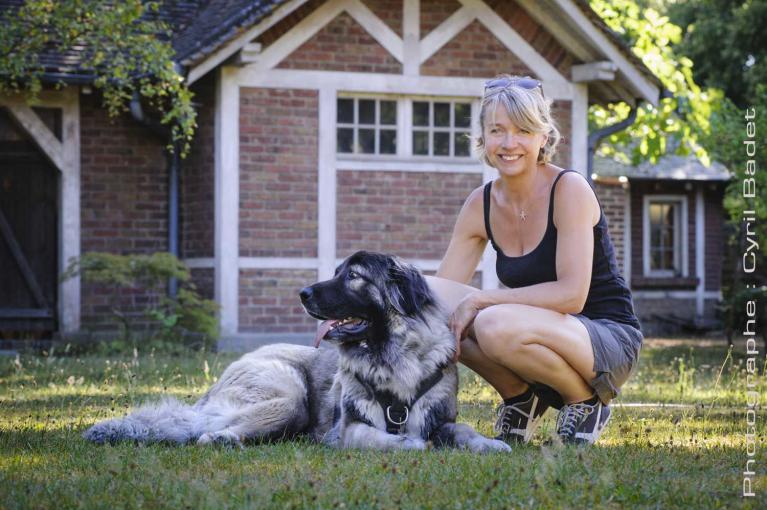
(616, 350)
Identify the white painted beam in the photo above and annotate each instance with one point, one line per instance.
(38, 131)
(227, 199)
(445, 32)
(377, 29)
(326, 184)
(579, 128)
(411, 36)
(594, 71)
(700, 251)
(376, 83)
(69, 211)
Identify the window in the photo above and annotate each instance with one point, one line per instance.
(366, 126)
(441, 128)
(665, 236)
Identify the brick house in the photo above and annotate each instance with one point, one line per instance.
(324, 127)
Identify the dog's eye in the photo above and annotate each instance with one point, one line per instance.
(352, 275)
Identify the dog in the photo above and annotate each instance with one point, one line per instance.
(387, 383)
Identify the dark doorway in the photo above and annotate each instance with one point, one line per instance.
(28, 234)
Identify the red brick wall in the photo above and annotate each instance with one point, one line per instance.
(278, 173)
(123, 201)
(405, 213)
(197, 176)
(715, 236)
(269, 301)
(474, 53)
(613, 200)
(434, 12)
(389, 11)
(342, 45)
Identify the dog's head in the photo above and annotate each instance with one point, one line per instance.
(367, 294)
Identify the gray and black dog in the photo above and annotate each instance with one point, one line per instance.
(387, 383)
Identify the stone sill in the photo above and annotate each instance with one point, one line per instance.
(664, 282)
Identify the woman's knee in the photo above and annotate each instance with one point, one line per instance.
(498, 333)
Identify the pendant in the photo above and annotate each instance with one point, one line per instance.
(523, 215)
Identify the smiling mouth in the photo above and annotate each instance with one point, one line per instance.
(510, 158)
(337, 329)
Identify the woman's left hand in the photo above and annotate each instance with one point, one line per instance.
(461, 320)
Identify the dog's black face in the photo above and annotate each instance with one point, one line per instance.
(366, 293)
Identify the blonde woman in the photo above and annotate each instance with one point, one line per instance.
(562, 332)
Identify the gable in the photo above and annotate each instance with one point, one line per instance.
(342, 45)
(476, 53)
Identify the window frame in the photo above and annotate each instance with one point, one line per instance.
(377, 127)
(404, 128)
(681, 236)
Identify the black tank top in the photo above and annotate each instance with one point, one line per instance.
(609, 297)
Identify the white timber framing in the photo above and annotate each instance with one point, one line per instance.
(64, 154)
(700, 251)
(412, 49)
(227, 199)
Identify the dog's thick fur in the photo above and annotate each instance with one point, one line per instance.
(396, 336)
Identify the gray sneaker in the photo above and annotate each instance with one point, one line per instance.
(517, 422)
(582, 423)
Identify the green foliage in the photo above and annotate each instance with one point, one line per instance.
(123, 46)
(677, 124)
(729, 48)
(174, 318)
(725, 142)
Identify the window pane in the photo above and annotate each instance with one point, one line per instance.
(367, 111)
(345, 109)
(461, 144)
(389, 112)
(462, 115)
(669, 214)
(655, 214)
(442, 114)
(655, 259)
(654, 237)
(441, 144)
(388, 141)
(420, 113)
(344, 140)
(367, 141)
(668, 259)
(421, 143)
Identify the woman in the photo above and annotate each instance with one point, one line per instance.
(565, 321)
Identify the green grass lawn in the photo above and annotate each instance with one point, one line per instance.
(658, 456)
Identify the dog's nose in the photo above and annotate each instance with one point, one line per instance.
(306, 293)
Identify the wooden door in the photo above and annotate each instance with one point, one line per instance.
(28, 236)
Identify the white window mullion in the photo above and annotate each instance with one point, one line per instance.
(404, 127)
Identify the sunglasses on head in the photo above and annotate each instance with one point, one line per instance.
(525, 83)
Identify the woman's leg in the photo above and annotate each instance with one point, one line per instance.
(510, 345)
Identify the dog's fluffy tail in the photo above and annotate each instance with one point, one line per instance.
(167, 420)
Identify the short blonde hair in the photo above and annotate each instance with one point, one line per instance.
(527, 107)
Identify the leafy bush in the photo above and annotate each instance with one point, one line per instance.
(174, 319)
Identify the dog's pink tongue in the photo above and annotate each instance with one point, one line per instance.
(322, 331)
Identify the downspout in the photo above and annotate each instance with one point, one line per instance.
(173, 164)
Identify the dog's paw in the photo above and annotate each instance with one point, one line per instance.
(410, 443)
(486, 445)
(221, 437)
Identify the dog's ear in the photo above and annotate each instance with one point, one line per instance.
(407, 290)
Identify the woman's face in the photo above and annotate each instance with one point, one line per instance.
(509, 149)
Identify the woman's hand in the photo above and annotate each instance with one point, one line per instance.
(461, 320)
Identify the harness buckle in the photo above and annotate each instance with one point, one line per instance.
(391, 420)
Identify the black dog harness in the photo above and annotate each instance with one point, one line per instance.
(397, 411)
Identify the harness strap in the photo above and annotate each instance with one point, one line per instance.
(397, 411)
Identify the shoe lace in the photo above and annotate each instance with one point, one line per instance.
(505, 415)
(571, 416)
